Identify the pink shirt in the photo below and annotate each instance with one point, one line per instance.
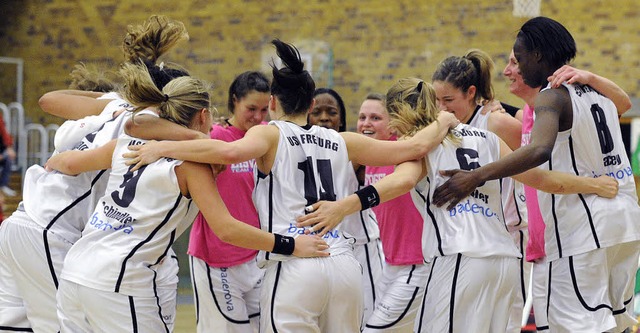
(535, 245)
(235, 185)
(400, 223)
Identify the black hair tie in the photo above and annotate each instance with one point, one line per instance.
(166, 97)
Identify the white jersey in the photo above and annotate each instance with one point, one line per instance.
(514, 204)
(132, 227)
(311, 164)
(62, 203)
(73, 131)
(475, 227)
(577, 223)
(363, 225)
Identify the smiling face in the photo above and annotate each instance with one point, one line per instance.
(373, 120)
(326, 112)
(250, 110)
(517, 85)
(452, 99)
(512, 73)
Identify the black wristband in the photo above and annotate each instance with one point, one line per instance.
(283, 245)
(368, 196)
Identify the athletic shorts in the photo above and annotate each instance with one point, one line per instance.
(34, 259)
(370, 257)
(226, 298)
(401, 291)
(82, 309)
(466, 294)
(520, 237)
(312, 295)
(593, 291)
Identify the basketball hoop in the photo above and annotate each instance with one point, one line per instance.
(526, 8)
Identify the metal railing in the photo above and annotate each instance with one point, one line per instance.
(33, 142)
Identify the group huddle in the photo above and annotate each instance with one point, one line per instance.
(425, 220)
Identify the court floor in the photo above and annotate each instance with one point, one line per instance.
(185, 318)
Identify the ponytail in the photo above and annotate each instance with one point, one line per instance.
(178, 101)
(411, 104)
(292, 85)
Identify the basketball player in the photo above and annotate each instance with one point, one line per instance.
(404, 275)
(298, 165)
(473, 261)
(226, 279)
(329, 112)
(535, 245)
(592, 246)
(110, 267)
(41, 232)
(462, 84)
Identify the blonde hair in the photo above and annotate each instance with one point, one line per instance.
(152, 39)
(179, 101)
(82, 78)
(411, 104)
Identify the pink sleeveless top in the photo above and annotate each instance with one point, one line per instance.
(399, 221)
(235, 185)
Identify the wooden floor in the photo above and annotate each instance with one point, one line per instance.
(185, 319)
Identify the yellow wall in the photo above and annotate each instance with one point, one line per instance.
(372, 42)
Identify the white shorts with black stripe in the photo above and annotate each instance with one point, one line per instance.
(312, 295)
(370, 257)
(520, 237)
(167, 288)
(593, 291)
(13, 315)
(401, 292)
(227, 299)
(539, 283)
(466, 294)
(82, 309)
(32, 258)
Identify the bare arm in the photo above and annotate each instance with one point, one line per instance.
(326, 215)
(508, 128)
(361, 147)
(256, 143)
(150, 127)
(73, 162)
(551, 105)
(564, 183)
(605, 86)
(72, 104)
(203, 190)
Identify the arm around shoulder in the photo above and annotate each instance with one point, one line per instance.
(71, 104)
(73, 162)
(202, 188)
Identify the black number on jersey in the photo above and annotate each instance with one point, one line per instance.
(604, 135)
(468, 159)
(327, 191)
(128, 186)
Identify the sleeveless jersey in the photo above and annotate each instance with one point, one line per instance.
(593, 146)
(513, 198)
(311, 164)
(235, 185)
(475, 227)
(62, 203)
(132, 228)
(72, 131)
